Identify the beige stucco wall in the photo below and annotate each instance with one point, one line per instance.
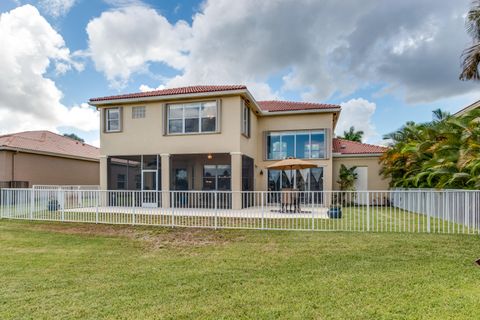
(5, 166)
(375, 180)
(45, 169)
(146, 135)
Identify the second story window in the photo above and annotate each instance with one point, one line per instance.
(112, 120)
(296, 144)
(138, 112)
(198, 117)
(245, 120)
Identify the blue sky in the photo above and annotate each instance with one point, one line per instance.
(385, 63)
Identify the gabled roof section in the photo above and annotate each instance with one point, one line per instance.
(468, 108)
(285, 106)
(347, 147)
(46, 142)
(171, 92)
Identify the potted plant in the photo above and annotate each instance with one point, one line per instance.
(335, 211)
(53, 205)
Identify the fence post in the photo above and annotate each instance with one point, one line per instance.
(172, 204)
(133, 207)
(62, 207)
(2, 203)
(312, 200)
(368, 210)
(429, 199)
(99, 193)
(31, 203)
(263, 209)
(466, 215)
(216, 209)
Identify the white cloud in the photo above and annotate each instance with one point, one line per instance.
(29, 100)
(146, 88)
(56, 8)
(123, 41)
(317, 49)
(358, 113)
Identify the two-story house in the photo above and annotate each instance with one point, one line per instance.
(222, 138)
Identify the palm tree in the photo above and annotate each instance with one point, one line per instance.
(471, 55)
(442, 153)
(347, 178)
(353, 135)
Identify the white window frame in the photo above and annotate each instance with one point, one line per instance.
(246, 120)
(183, 117)
(295, 133)
(139, 112)
(108, 120)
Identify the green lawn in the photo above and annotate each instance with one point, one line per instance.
(54, 270)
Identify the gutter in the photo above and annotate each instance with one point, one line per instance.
(2, 148)
(279, 113)
(169, 97)
(356, 155)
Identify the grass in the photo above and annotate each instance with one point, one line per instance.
(53, 270)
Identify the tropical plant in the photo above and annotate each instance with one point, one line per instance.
(443, 153)
(73, 136)
(353, 135)
(347, 178)
(471, 55)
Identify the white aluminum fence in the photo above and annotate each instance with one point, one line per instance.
(65, 187)
(375, 211)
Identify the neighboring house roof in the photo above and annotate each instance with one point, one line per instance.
(46, 142)
(347, 147)
(172, 91)
(276, 106)
(468, 108)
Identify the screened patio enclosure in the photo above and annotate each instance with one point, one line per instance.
(207, 172)
(186, 172)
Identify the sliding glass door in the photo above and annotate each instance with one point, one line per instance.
(302, 180)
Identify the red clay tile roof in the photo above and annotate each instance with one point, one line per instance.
(172, 91)
(273, 105)
(49, 142)
(351, 147)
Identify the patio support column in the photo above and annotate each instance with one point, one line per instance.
(236, 180)
(165, 167)
(103, 173)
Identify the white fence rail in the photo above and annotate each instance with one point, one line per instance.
(375, 211)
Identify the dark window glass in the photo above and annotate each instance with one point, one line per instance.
(217, 177)
(316, 179)
(301, 177)
(150, 162)
(273, 147)
(208, 124)
(302, 146)
(181, 179)
(191, 125)
(223, 184)
(274, 180)
(121, 181)
(318, 145)
(288, 146)
(209, 171)
(287, 181)
(175, 126)
(209, 183)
